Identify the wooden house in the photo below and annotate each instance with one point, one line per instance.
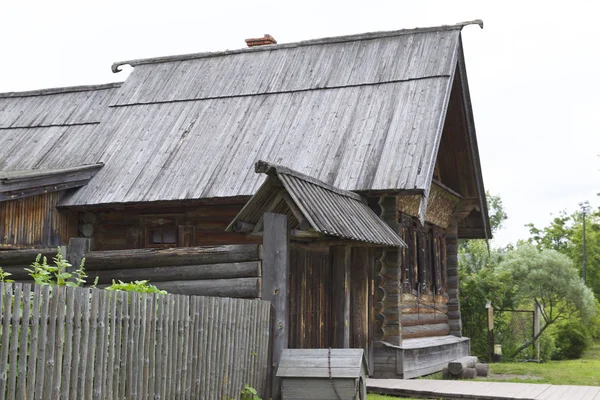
(380, 124)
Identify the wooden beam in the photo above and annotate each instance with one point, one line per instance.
(243, 227)
(340, 263)
(276, 271)
(303, 223)
(272, 204)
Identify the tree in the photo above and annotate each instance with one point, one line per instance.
(565, 234)
(549, 279)
(479, 282)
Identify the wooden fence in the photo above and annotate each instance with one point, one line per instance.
(77, 343)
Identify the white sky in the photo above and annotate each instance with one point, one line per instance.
(534, 71)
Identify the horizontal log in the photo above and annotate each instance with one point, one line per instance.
(18, 273)
(457, 366)
(149, 258)
(426, 329)
(418, 335)
(413, 317)
(24, 257)
(482, 369)
(422, 309)
(468, 373)
(426, 321)
(239, 287)
(247, 269)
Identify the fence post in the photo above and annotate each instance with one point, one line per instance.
(276, 268)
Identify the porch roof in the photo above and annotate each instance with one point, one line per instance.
(313, 207)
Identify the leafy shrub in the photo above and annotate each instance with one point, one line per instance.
(249, 393)
(137, 286)
(57, 275)
(4, 276)
(572, 339)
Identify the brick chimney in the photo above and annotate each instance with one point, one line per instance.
(267, 39)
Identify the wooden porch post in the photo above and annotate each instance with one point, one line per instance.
(454, 320)
(340, 260)
(276, 269)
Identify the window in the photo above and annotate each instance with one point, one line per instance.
(161, 232)
(164, 235)
(424, 260)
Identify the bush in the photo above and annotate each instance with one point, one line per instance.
(572, 339)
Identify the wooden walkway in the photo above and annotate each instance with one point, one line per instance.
(481, 390)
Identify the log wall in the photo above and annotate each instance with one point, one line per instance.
(223, 271)
(35, 222)
(195, 224)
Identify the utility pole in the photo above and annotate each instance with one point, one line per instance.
(585, 206)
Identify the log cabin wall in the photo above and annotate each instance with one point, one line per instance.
(223, 271)
(35, 222)
(424, 280)
(162, 227)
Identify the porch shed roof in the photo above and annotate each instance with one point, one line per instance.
(326, 209)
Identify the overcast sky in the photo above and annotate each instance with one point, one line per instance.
(534, 70)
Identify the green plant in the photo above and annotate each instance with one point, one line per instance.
(572, 339)
(57, 274)
(136, 286)
(4, 275)
(249, 393)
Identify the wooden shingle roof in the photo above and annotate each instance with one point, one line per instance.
(361, 113)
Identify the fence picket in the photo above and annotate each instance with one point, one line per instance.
(23, 343)
(6, 313)
(41, 345)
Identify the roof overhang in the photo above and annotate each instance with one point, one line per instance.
(315, 210)
(486, 232)
(24, 183)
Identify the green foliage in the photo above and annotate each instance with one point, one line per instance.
(565, 234)
(549, 279)
(137, 286)
(4, 276)
(479, 284)
(57, 274)
(572, 339)
(249, 393)
(495, 211)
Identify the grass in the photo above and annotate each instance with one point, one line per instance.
(382, 397)
(585, 371)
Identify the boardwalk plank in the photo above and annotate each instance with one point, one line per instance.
(482, 390)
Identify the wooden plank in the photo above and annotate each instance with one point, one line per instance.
(91, 353)
(14, 341)
(80, 385)
(33, 345)
(59, 342)
(341, 261)
(6, 314)
(276, 269)
(100, 345)
(49, 337)
(23, 342)
(66, 372)
(110, 349)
